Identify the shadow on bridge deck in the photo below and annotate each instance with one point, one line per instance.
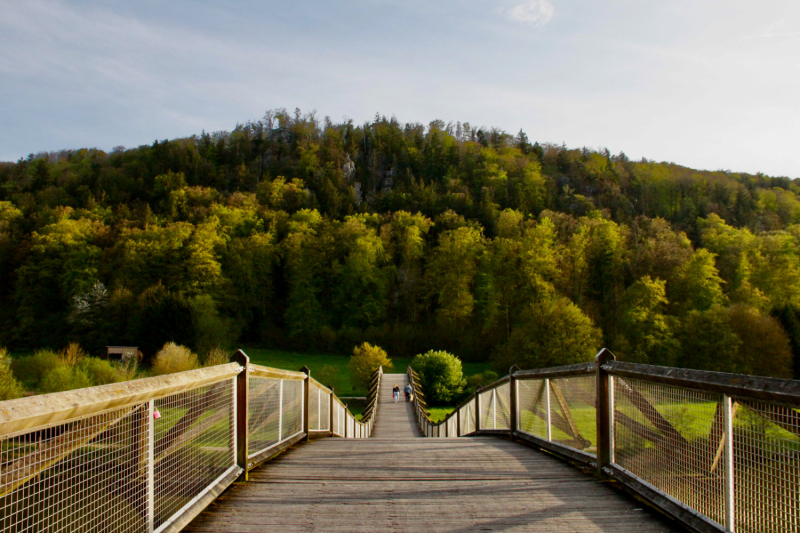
(396, 482)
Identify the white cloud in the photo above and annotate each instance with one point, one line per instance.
(533, 12)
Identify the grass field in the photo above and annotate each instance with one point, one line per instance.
(437, 414)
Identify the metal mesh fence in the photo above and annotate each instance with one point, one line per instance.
(766, 451)
(671, 438)
(532, 407)
(487, 409)
(573, 415)
(292, 408)
(86, 475)
(264, 428)
(502, 406)
(463, 414)
(335, 421)
(314, 402)
(194, 445)
(325, 410)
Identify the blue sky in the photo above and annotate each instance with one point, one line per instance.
(711, 85)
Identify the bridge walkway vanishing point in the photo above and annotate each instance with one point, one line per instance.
(397, 481)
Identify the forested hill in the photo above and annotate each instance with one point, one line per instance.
(299, 233)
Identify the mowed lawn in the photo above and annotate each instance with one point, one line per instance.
(340, 378)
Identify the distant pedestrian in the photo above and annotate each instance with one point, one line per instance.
(407, 390)
(396, 393)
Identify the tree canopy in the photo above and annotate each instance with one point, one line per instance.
(302, 233)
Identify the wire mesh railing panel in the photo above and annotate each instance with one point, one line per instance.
(532, 407)
(325, 411)
(573, 415)
(766, 449)
(264, 428)
(291, 408)
(502, 406)
(671, 438)
(472, 415)
(487, 409)
(314, 407)
(82, 476)
(194, 445)
(335, 420)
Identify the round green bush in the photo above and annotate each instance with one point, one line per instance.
(441, 376)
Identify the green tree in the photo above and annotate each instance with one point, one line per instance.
(452, 275)
(441, 376)
(552, 332)
(365, 361)
(645, 332)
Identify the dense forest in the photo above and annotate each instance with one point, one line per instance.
(296, 232)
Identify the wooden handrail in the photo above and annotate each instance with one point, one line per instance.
(26, 414)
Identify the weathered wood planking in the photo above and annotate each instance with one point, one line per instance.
(398, 482)
(395, 420)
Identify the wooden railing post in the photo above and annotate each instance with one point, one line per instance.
(458, 422)
(605, 413)
(306, 401)
(514, 394)
(478, 410)
(242, 443)
(330, 416)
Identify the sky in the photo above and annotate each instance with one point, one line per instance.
(706, 84)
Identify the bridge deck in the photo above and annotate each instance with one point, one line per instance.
(397, 482)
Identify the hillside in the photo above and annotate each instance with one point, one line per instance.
(298, 233)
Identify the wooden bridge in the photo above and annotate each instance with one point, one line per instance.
(398, 481)
(603, 446)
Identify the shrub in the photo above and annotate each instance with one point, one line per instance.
(174, 358)
(216, 356)
(10, 387)
(64, 377)
(441, 376)
(365, 360)
(30, 370)
(101, 372)
(72, 354)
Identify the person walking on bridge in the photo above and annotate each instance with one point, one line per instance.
(407, 390)
(396, 393)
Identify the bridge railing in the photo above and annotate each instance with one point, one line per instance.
(148, 455)
(717, 452)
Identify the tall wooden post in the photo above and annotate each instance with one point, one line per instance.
(458, 422)
(478, 410)
(514, 393)
(330, 416)
(306, 400)
(242, 449)
(605, 412)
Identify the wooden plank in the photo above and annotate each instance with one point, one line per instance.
(416, 484)
(275, 373)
